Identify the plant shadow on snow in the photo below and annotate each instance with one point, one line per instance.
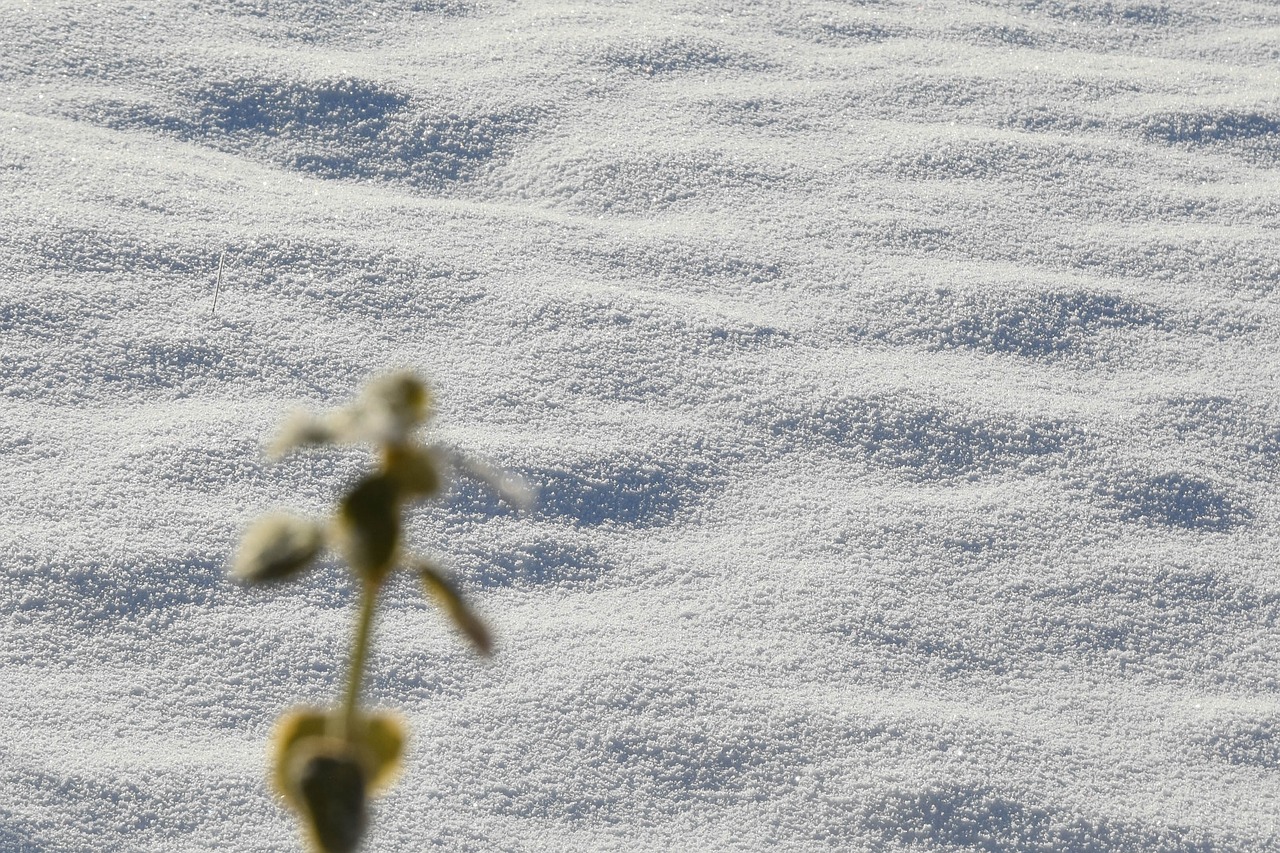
(922, 442)
(340, 128)
(1173, 500)
(1041, 325)
(958, 817)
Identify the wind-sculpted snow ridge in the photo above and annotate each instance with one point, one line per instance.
(897, 382)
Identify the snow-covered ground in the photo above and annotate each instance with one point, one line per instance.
(900, 379)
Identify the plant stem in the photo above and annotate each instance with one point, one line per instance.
(359, 654)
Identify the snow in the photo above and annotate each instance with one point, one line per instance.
(899, 379)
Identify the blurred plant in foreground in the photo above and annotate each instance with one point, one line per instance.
(328, 762)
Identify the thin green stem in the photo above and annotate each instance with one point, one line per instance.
(359, 654)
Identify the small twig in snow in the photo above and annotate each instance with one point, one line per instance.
(217, 284)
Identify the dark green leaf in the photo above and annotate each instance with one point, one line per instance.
(369, 526)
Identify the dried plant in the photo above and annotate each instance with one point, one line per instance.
(329, 762)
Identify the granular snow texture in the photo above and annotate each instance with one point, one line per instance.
(899, 380)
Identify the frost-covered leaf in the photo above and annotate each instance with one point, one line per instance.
(381, 738)
(277, 547)
(377, 740)
(387, 413)
(293, 729)
(393, 406)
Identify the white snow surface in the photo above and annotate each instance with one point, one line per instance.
(899, 379)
